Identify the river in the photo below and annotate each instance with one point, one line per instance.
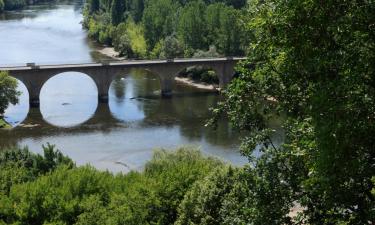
(127, 130)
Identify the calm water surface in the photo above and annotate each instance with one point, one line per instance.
(136, 120)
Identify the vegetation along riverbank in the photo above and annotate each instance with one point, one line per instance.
(18, 4)
(161, 29)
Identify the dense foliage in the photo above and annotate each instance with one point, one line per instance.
(315, 61)
(51, 190)
(8, 91)
(166, 28)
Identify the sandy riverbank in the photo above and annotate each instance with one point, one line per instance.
(190, 82)
(110, 52)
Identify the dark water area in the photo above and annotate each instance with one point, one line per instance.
(127, 129)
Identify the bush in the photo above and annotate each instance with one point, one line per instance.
(220, 198)
(20, 165)
(83, 195)
(200, 74)
(209, 77)
(128, 40)
(171, 48)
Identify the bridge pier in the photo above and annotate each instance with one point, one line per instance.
(34, 102)
(34, 92)
(166, 85)
(103, 98)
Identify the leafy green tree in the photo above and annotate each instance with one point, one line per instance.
(192, 25)
(225, 29)
(49, 190)
(158, 18)
(314, 61)
(93, 5)
(118, 9)
(8, 91)
(20, 165)
(129, 41)
(219, 198)
(171, 48)
(237, 4)
(136, 8)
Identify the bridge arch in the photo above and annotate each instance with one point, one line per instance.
(68, 99)
(34, 76)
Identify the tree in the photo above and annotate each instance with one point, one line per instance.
(192, 25)
(171, 48)
(8, 91)
(158, 20)
(93, 6)
(219, 198)
(224, 29)
(118, 9)
(136, 9)
(314, 59)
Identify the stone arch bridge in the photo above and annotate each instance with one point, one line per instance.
(35, 76)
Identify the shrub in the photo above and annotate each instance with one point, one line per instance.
(83, 195)
(220, 198)
(20, 165)
(129, 41)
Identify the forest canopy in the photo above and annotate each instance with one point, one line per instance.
(169, 28)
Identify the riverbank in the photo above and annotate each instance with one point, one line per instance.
(195, 84)
(112, 53)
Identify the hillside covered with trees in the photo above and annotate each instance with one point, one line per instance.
(168, 28)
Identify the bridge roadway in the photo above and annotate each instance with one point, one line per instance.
(35, 76)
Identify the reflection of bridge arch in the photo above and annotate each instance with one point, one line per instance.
(15, 114)
(59, 97)
(34, 76)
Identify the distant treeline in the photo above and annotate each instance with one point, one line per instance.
(168, 28)
(17, 4)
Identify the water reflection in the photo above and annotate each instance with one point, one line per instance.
(68, 99)
(15, 114)
(135, 121)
